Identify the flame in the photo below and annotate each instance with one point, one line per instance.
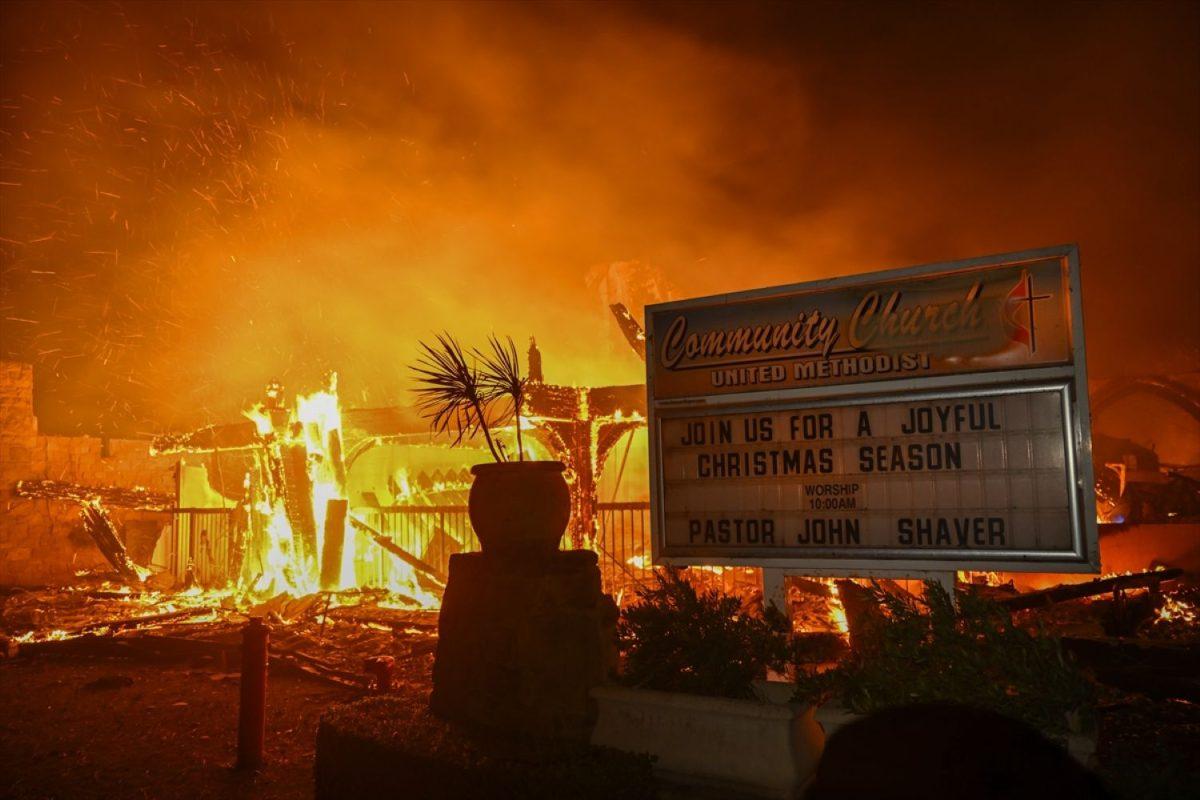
(980, 578)
(837, 611)
(261, 419)
(405, 493)
(315, 425)
(278, 556)
(639, 561)
(56, 635)
(1177, 610)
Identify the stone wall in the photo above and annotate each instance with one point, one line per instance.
(41, 541)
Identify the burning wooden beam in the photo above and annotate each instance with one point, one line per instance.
(428, 570)
(153, 620)
(334, 449)
(209, 439)
(100, 527)
(140, 499)
(1076, 591)
(631, 328)
(335, 538)
(298, 500)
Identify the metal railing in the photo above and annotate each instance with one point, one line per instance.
(434, 533)
(201, 539)
(623, 543)
(431, 533)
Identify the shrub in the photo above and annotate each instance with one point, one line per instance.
(972, 655)
(676, 639)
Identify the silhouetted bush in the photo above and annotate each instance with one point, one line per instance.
(676, 639)
(929, 651)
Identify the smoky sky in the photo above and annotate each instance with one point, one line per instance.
(201, 197)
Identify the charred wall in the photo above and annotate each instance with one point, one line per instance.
(41, 541)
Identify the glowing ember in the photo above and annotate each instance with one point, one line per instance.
(639, 561)
(1177, 610)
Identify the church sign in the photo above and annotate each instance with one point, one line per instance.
(931, 418)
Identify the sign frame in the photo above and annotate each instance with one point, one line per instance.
(1070, 379)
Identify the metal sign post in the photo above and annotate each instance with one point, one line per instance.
(901, 424)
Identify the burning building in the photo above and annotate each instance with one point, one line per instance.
(201, 197)
(296, 499)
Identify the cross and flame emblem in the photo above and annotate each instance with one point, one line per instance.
(1019, 311)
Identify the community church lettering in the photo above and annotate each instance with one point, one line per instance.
(774, 442)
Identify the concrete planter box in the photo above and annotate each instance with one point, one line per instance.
(1081, 746)
(762, 748)
(831, 716)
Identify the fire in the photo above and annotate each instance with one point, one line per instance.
(56, 635)
(408, 492)
(837, 611)
(639, 561)
(277, 556)
(279, 560)
(405, 491)
(816, 606)
(1177, 610)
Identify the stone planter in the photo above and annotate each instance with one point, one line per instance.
(521, 641)
(762, 748)
(519, 507)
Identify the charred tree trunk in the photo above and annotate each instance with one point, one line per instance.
(100, 527)
(335, 539)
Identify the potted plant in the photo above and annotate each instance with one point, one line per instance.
(970, 653)
(691, 660)
(517, 506)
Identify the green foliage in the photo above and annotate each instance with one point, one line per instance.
(972, 655)
(676, 639)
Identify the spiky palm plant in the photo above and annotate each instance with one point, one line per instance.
(500, 378)
(457, 395)
(451, 395)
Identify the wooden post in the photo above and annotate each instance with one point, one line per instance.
(335, 539)
(298, 500)
(252, 714)
(334, 447)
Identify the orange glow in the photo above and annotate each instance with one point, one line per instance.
(837, 611)
(1176, 609)
(315, 423)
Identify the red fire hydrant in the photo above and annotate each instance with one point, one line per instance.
(252, 716)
